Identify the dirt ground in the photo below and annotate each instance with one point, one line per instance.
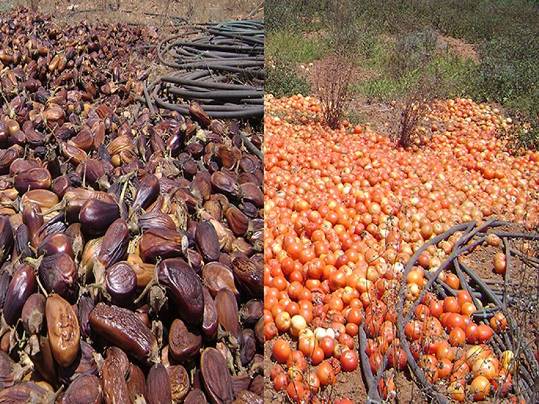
(349, 385)
(163, 14)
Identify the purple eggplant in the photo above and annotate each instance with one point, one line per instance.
(84, 389)
(22, 241)
(162, 243)
(35, 178)
(210, 322)
(183, 344)
(5, 279)
(55, 244)
(115, 242)
(6, 238)
(96, 216)
(32, 218)
(33, 313)
(185, 288)
(22, 285)
(207, 241)
(158, 385)
(121, 283)
(58, 273)
(147, 192)
(84, 307)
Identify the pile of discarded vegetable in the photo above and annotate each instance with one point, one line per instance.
(346, 210)
(130, 247)
(220, 66)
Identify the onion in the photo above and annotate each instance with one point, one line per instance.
(297, 324)
(320, 333)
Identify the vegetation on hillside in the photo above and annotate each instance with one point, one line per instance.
(400, 45)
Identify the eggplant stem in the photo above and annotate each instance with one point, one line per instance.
(145, 291)
(34, 262)
(59, 206)
(126, 180)
(96, 288)
(57, 393)
(41, 287)
(84, 176)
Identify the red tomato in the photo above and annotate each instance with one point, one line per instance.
(281, 350)
(349, 360)
(328, 345)
(457, 337)
(451, 305)
(325, 373)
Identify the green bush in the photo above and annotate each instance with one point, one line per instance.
(508, 73)
(411, 52)
(293, 47)
(283, 80)
(295, 15)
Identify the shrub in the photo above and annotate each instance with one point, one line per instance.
(416, 101)
(283, 80)
(294, 15)
(412, 113)
(412, 52)
(343, 25)
(332, 79)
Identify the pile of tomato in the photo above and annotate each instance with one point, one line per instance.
(345, 210)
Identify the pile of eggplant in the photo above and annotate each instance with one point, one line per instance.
(130, 244)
